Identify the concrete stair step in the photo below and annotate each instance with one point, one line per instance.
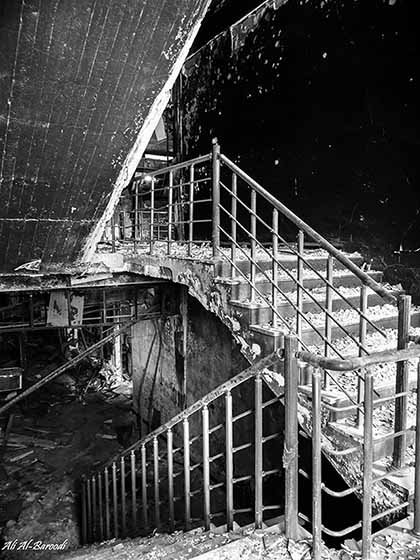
(260, 313)
(350, 436)
(271, 339)
(316, 259)
(335, 398)
(240, 287)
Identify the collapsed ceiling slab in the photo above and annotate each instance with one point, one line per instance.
(83, 84)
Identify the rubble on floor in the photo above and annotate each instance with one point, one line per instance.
(244, 545)
(69, 428)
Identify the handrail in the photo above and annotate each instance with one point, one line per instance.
(350, 364)
(387, 295)
(248, 373)
(181, 165)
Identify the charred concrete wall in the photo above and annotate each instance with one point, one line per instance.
(159, 363)
(317, 100)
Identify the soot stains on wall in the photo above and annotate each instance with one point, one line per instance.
(319, 102)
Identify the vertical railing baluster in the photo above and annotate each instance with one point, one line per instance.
(275, 267)
(191, 211)
(136, 211)
(258, 449)
(89, 511)
(290, 454)
(216, 196)
(299, 292)
(84, 512)
(115, 499)
(367, 467)
(156, 480)
(187, 474)
(362, 341)
(206, 467)
(94, 508)
(229, 460)
(100, 508)
(233, 227)
(329, 308)
(133, 474)
(416, 524)
(253, 244)
(123, 499)
(113, 233)
(144, 486)
(316, 464)
(152, 215)
(169, 446)
(107, 504)
(401, 386)
(170, 209)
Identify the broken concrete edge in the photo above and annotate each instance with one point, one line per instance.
(50, 282)
(132, 160)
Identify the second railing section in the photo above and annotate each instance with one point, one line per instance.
(209, 465)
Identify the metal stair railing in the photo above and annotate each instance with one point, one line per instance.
(213, 185)
(364, 487)
(188, 471)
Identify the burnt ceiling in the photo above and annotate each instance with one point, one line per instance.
(79, 84)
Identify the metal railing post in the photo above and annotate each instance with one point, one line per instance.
(299, 277)
(401, 385)
(316, 464)
(362, 340)
(170, 450)
(170, 210)
(233, 228)
(290, 453)
(416, 525)
(253, 228)
(216, 196)
(367, 467)
(100, 508)
(107, 510)
(206, 467)
(89, 512)
(191, 211)
(274, 267)
(84, 512)
(152, 215)
(229, 460)
(133, 490)
(156, 481)
(144, 487)
(329, 308)
(123, 498)
(187, 474)
(258, 453)
(115, 499)
(94, 508)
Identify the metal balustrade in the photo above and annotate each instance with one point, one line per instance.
(213, 185)
(364, 488)
(237, 205)
(170, 205)
(186, 472)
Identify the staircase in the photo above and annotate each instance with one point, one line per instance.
(286, 293)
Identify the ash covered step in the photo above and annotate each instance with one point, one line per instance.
(384, 317)
(316, 258)
(259, 312)
(241, 288)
